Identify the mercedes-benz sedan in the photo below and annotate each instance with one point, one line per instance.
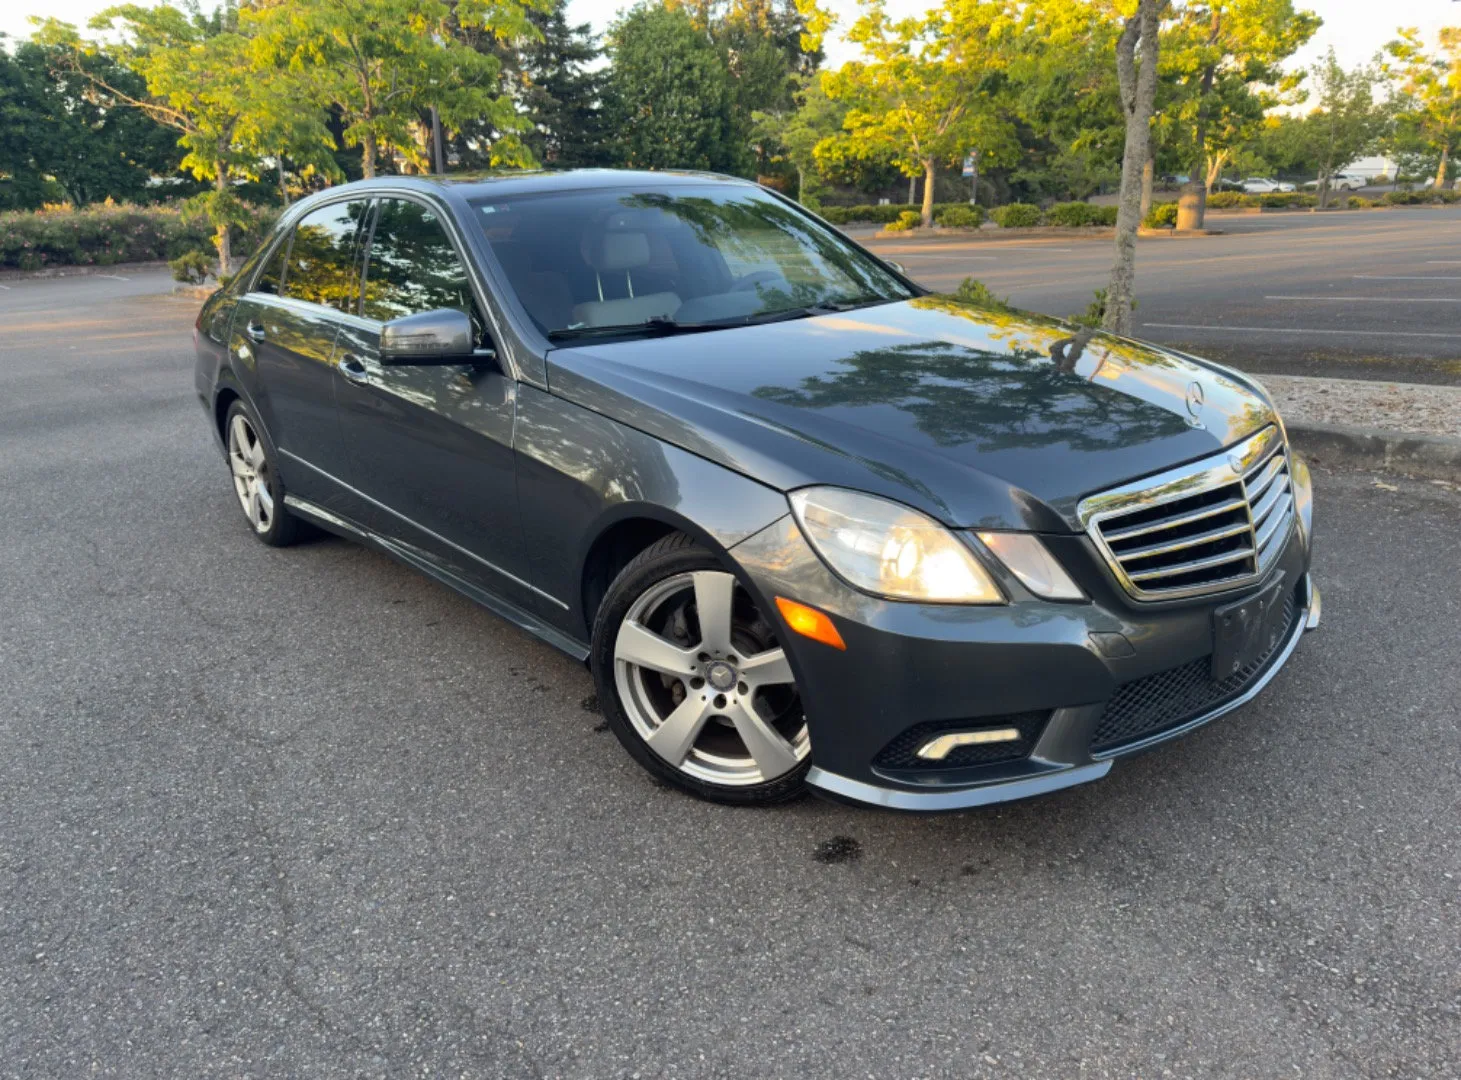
(809, 524)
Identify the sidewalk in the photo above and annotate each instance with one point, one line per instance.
(1404, 427)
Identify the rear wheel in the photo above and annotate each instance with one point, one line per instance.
(694, 682)
(255, 480)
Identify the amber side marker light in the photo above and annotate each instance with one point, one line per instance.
(809, 622)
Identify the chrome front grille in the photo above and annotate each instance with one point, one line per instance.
(1215, 524)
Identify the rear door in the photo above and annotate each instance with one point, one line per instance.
(430, 447)
(289, 324)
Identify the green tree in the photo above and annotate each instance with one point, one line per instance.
(929, 89)
(796, 134)
(1429, 109)
(669, 95)
(383, 63)
(54, 125)
(560, 94)
(1225, 58)
(1345, 123)
(196, 80)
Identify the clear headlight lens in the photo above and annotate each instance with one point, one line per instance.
(889, 549)
(1036, 568)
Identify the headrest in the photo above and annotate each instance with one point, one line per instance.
(619, 250)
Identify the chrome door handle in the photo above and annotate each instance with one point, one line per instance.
(254, 332)
(351, 367)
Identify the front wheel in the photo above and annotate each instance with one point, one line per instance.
(694, 682)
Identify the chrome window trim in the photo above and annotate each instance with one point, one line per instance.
(1225, 468)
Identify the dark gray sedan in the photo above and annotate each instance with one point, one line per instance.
(810, 525)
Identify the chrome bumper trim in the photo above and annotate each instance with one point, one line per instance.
(956, 798)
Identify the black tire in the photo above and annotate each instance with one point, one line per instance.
(283, 528)
(670, 557)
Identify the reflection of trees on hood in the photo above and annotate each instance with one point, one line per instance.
(999, 401)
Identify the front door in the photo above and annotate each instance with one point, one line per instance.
(430, 447)
(288, 324)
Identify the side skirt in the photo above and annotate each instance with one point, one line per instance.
(518, 616)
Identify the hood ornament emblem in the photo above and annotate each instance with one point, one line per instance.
(1195, 398)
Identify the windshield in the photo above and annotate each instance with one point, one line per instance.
(619, 261)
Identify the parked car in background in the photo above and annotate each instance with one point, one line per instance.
(1341, 182)
(809, 524)
(1260, 185)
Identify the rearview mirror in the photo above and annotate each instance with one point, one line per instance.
(443, 336)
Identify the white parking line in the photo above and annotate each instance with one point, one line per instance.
(1402, 277)
(1444, 262)
(114, 277)
(1292, 330)
(1375, 299)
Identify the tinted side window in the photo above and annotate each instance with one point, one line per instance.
(322, 267)
(273, 273)
(412, 266)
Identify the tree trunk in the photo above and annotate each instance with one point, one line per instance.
(220, 237)
(1192, 205)
(930, 173)
(1138, 88)
(1441, 168)
(1148, 181)
(912, 190)
(283, 186)
(1323, 199)
(801, 185)
(367, 161)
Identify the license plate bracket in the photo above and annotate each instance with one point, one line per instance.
(1245, 631)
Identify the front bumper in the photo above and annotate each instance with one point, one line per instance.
(1084, 684)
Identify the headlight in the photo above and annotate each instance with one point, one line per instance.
(888, 549)
(1036, 568)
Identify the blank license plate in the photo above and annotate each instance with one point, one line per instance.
(1245, 632)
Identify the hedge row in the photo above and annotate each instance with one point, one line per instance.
(104, 235)
(1424, 195)
(900, 217)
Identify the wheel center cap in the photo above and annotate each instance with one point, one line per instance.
(720, 675)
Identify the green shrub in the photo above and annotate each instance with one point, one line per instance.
(960, 217)
(106, 234)
(1404, 198)
(1287, 200)
(1017, 216)
(971, 291)
(1161, 216)
(1228, 200)
(193, 267)
(1359, 202)
(1379, 179)
(907, 219)
(1073, 214)
(883, 214)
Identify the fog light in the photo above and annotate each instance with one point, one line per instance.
(940, 748)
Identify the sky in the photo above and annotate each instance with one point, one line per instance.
(1355, 28)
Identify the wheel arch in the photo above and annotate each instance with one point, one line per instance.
(618, 539)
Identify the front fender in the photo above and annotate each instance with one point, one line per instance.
(580, 474)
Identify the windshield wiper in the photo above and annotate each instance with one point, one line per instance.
(658, 325)
(663, 325)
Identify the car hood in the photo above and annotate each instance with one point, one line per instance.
(980, 417)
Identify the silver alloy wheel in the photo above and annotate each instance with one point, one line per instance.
(250, 473)
(708, 696)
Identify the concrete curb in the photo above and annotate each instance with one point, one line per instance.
(1435, 457)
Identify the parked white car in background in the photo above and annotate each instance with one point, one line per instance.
(1341, 182)
(1258, 185)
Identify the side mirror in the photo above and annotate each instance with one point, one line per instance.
(430, 337)
(896, 266)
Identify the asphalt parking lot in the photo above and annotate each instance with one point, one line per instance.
(1350, 294)
(304, 812)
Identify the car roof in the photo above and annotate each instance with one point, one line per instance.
(472, 185)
